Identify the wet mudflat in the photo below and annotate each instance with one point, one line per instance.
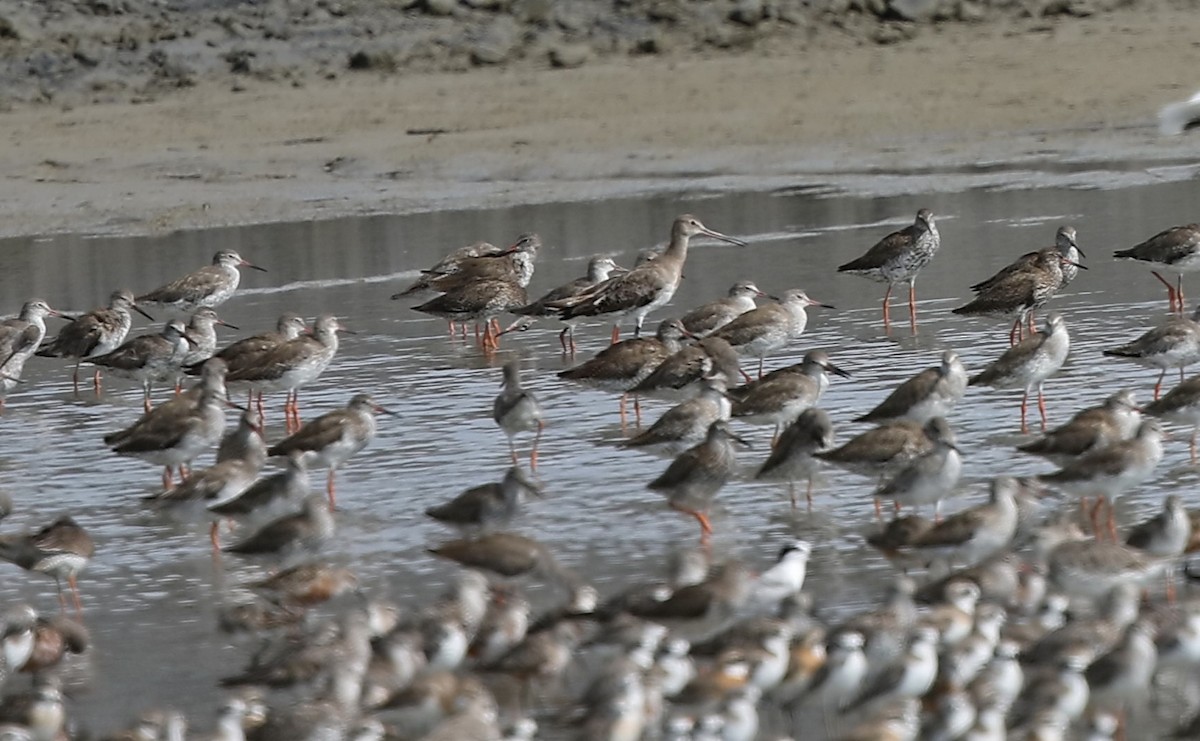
(152, 591)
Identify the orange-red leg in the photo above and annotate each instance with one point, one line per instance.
(887, 310)
(75, 594)
(1174, 295)
(537, 439)
(1158, 384)
(912, 306)
(331, 491)
(616, 334)
(1024, 409)
(1042, 407)
(214, 537)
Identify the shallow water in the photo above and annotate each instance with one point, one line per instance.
(152, 592)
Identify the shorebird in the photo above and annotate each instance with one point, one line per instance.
(1165, 535)
(882, 450)
(488, 504)
(1173, 344)
(210, 286)
(840, 678)
(311, 525)
(687, 423)
(61, 549)
(1027, 364)
(1176, 249)
(479, 300)
(780, 397)
(20, 338)
(173, 434)
(289, 485)
(149, 357)
(1094, 428)
(449, 264)
(506, 554)
(201, 332)
(1122, 676)
(930, 477)
(1110, 472)
(622, 366)
(293, 364)
(305, 584)
(1180, 405)
(782, 580)
(240, 457)
(793, 456)
(698, 473)
(248, 351)
(898, 258)
(334, 438)
(648, 286)
(707, 318)
(1092, 568)
(1022, 291)
(763, 330)
(516, 410)
(911, 676)
(599, 270)
(681, 375)
(975, 533)
(95, 333)
(933, 392)
(514, 264)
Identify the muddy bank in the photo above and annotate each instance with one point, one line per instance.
(1024, 99)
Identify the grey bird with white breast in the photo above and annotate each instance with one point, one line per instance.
(898, 258)
(1028, 364)
(95, 333)
(780, 397)
(770, 327)
(516, 410)
(210, 286)
(933, 392)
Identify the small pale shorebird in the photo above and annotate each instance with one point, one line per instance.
(334, 438)
(293, 364)
(930, 477)
(1027, 364)
(61, 549)
(1173, 344)
(1112, 471)
(1180, 405)
(1020, 292)
(780, 397)
(648, 286)
(516, 410)
(176, 432)
(95, 333)
(1176, 249)
(698, 473)
(149, 357)
(933, 392)
(202, 332)
(792, 458)
(210, 286)
(707, 318)
(20, 338)
(1091, 429)
(898, 258)
(1165, 535)
(599, 269)
(770, 327)
(622, 366)
(911, 676)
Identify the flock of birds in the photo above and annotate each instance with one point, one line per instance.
(1024, 626)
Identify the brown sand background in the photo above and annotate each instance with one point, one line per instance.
(1041, 91)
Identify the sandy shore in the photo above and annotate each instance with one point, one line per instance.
(1036, 94)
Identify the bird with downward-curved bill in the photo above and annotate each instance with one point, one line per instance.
(1027, 364)
(897, 259)
(648, 286)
